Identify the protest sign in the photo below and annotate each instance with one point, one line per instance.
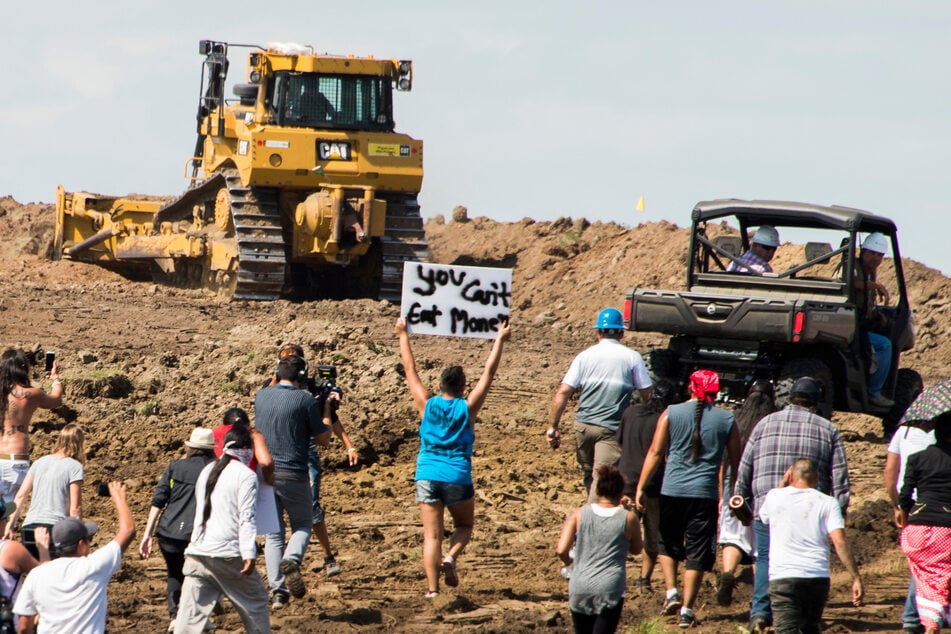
(460, 301)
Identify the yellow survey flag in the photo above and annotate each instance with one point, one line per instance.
(640, 204)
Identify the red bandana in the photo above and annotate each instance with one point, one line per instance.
(704, 385)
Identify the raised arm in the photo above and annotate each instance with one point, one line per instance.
(481, 390)
(126, 530)
(420, 394)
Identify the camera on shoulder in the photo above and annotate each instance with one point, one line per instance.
(326, 380)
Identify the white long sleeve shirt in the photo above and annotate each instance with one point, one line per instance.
(232, 526)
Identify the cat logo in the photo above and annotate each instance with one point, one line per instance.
(333, 151)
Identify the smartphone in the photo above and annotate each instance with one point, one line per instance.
(102, 489)
(50, 358)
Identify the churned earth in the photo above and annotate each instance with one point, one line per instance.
(143, 364)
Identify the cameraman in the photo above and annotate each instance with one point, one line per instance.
(324, 389)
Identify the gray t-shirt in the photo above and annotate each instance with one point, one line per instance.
(49, 500)
(684, 478)
(606, 373)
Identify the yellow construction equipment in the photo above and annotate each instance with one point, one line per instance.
(299, 186)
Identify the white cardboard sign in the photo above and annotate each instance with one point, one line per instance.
(458, 301)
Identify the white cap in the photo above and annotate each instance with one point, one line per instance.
(876, 242)
(766, 236)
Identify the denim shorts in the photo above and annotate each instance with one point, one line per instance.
(432, 491)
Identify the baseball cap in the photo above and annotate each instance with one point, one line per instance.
(808, 387)
(69, 531)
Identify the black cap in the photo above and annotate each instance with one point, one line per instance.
(807, 387)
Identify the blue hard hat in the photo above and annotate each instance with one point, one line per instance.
(610, 319)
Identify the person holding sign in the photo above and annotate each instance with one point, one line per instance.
(444, 462)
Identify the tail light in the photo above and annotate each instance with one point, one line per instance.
(799, 322)
(626, 312)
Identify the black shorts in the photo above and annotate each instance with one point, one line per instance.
(688, 531)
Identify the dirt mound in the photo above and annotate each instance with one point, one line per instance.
(143, 364)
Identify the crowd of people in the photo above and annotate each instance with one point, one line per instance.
(668, 475)
(679, 464)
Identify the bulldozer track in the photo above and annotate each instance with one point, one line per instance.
(262, 255)
(404, 241)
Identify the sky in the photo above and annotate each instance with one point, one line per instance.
(527, 109)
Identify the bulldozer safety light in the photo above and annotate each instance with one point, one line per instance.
(626, 312)
(275, 160)
(255, 77)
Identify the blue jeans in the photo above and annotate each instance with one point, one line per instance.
(292, 493)
(883, 353)
(909, 617)
(760, 605)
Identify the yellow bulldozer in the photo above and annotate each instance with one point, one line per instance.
(299, 186)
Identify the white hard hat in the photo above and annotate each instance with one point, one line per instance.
(876, 242)
(766, 236)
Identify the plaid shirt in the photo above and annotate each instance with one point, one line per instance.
(748, 262)
(778, 440)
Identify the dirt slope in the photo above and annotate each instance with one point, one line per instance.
(143, 364)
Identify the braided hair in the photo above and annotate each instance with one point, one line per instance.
(704, 386)
(237, 438)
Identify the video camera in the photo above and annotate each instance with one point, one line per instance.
(326, 381)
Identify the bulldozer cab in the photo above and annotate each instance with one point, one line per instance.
(344, 102)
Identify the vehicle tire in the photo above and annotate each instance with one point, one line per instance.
(908, 385)
(815, 368)
(663, 363)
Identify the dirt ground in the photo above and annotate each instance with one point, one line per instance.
(144, 364)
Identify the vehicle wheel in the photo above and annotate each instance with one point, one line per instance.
(807, 367)
(663, 363)
(908, 385)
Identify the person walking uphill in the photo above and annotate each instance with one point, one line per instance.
(601, 535)
(288, 418)
(220, 558)
(776, 442)
(693, 436)
(924, 516)
(174, 502)
(444, 462)
(801, 522)
(607, 373)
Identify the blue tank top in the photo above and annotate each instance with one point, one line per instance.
(445, 442)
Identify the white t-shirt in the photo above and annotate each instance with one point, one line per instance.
(69, 593)
(606, 373)
(800, 521)
(905, 441)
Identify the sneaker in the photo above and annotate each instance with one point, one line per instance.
(295, 583)
(278, 601)
(432, 594)
(643, 585)
(672, 604)
(881, 401)
(687, 619)
(725, 591)
(331, 567)
(449, 570)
